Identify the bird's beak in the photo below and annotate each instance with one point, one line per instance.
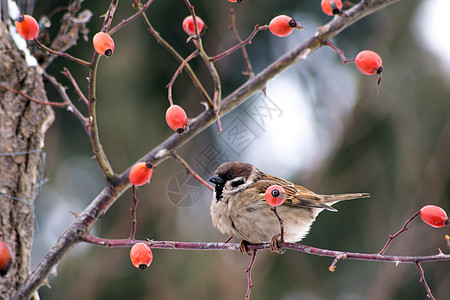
(216, 180)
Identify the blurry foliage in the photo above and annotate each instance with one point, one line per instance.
(395, 145)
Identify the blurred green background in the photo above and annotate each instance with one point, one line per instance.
(322, 125)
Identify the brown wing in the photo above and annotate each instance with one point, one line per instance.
(295, 195)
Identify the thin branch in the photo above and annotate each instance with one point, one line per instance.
(111, 192)
(189, 170)
(63, 54)
(248, 40)
(249, 275)
(133, 212)
(142, 9)
(340, 52)
(332, 267)
(403, 229)
(71, 107)
(197, 40)
(67, 73)
(73, 24)
(54, 104)
(178, 72)
(229, 239)
(249, 72)
(109, 15)
(280, 220)
(114, 243)
(95, 139)
(97, 147)
(424, 282)
(174, 53)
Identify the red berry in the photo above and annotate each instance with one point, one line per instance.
(189, 26)
(434, 216)
(238, 1)
(103, 43)
(141, 256)
(283, 25)
(140, 173)
(27, 27)
(369, 62)
(331, 7)
(275, 195)
(5, 258)
(176, 118)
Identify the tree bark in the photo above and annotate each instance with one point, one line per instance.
(23, 125)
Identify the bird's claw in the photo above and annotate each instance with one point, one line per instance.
(275, 244)
(243, 247)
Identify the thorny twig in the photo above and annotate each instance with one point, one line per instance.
(280, 220)
(249, 275)
(172, 51)
(141, 10)
(197, 40)
(133, 212)
(332, 267)
(109, 15)
(248, 40)
(340, 52)
(249, 71)
(97, 147)
(424, 282)
(396, 259)
(189, 169)
(447, 238)
(63, 54)
(54, 104)
(67, 73)
(178, 72)
(71, 107)
(403, 229)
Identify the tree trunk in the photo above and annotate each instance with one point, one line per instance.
(22, 131)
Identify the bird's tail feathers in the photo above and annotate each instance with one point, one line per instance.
(342, 197)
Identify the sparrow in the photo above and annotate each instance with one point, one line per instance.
(238, 207)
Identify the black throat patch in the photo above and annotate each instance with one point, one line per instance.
(219, 191)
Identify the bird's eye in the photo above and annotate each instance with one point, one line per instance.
(230, 176)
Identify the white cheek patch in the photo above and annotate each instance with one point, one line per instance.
(236, 185)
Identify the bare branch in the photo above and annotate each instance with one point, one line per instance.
(62, 91)
(248, 40)
(172, 51)
(142, 9)
(54, 104)
(249, 71)
(63, 54)
(133, 212)
(249, 275)
(190, 171)
(197, 40)
(403, 229)
(113, 243)
(67, 73)
(178, 72)
(424, 282)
